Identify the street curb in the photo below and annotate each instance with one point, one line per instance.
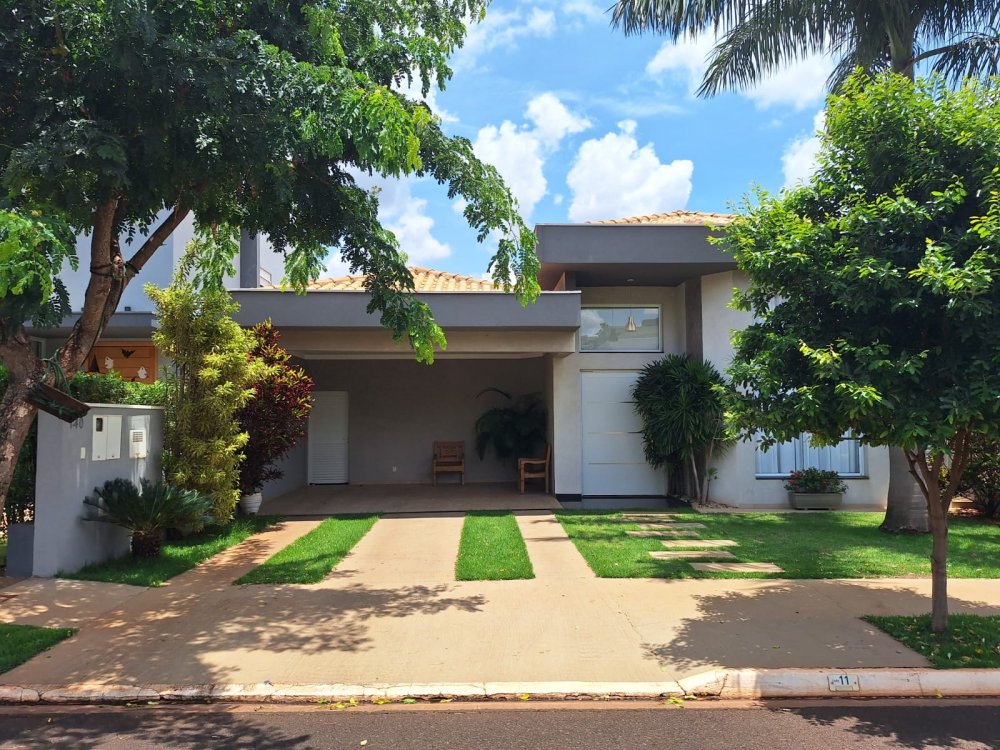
(729, 684)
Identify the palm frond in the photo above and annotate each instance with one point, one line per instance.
(975, 56)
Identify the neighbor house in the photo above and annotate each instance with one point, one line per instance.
(616, 296)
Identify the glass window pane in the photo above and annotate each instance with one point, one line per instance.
(609, 329)
(797, 454)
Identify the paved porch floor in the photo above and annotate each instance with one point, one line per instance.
(325, 500)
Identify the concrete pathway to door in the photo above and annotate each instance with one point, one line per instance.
(392, 613)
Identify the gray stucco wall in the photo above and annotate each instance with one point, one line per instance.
(398, 408)
(66, 474)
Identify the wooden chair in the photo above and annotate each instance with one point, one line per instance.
(449, 458)
(534, 468)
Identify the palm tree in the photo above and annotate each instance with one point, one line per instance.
(954, 38)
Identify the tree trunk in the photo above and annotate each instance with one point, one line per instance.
(108, 279)
(906, 511)
(939, 562)
(16, 412)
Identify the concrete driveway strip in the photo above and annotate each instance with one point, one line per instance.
(390, 614)
(60, 603)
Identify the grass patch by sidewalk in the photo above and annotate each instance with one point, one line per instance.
(970, 641)
(175, 557)
(309, 559)
(492, 548)
(18, 643)
(805, 545)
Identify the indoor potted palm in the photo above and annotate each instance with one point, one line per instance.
(815, 489)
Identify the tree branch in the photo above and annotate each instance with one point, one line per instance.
(157, 238)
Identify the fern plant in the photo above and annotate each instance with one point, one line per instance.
(515, 430)
(148, 510)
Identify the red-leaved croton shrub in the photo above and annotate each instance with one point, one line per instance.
(277, 416)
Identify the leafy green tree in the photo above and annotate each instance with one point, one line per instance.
(211, 377)
(957, 39)
(683, 417)
(875, 289)
(119, 119)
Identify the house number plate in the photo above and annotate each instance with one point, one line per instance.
(844, 683)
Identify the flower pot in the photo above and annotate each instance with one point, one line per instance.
(20, 549)
(250, 504)
(815, 500)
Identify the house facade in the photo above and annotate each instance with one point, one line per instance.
(616, 296)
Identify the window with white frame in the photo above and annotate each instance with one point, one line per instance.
(846, 457)
(620, 329)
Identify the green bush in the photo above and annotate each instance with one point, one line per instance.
(514, 431)
(213, 376)
(111, 388)
(981, 480)
(148, 511)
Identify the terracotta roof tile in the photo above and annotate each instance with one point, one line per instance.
(674, 218)
(424, 280)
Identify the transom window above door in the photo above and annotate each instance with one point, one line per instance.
(620, 329)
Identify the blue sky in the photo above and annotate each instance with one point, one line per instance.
(585, 123)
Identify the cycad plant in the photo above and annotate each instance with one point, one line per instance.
(683, 426)
(515, 430)
(148, 510)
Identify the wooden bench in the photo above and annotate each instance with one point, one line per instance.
(449, 458)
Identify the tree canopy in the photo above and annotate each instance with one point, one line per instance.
(120, 118)
(875, 288)
(757, 37)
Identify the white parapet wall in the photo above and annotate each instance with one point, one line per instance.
(75, 458)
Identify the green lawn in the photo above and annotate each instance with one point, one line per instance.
(176, 557)
(492, 548)
(18, 643)
(970, 641)
(309, 559)
(806, 545)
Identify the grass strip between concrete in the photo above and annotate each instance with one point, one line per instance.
(176, 557)
(492, 548)
(970, 641)
(310, 558)
(805, 545)
(18, 643)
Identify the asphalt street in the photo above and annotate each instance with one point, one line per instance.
(802, 726)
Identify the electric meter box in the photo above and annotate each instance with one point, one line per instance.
(107, 437)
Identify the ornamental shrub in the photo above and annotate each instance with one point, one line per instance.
(981, 481)
(211, 379)
(815, 481)
(275, 419)
(111, 388)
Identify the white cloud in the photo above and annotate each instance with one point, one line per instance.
(613, 177)
(589, 10)
(503, 30)
(801, 84)
(519, 152)
(798, 162)
(405, 216)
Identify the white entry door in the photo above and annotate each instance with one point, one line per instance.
(613, 459)
(328, 438)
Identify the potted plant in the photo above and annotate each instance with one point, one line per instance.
(275, 419)
(515, 430)
(815, 488)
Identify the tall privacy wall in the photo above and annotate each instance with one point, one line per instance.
(109, 442)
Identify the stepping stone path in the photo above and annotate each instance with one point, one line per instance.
(737, 567)
(693, 553)
(644, 519)
(674, 543)
(668, 534)
(662, 526)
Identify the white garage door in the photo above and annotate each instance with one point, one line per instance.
(328, 438)
(613, 459)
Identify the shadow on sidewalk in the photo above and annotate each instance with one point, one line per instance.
(789, 624)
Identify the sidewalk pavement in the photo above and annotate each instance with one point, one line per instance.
(391, 620)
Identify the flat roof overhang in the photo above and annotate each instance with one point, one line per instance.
(121, 325)
(482, 311)
(620, 254)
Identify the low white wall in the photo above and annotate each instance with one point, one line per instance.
(67, 473)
